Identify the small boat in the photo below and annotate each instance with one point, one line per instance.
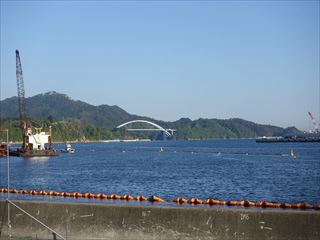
(293, 154)
(68, 149)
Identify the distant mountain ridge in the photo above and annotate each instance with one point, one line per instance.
(59, 106)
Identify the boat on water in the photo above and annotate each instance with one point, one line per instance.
(68, 149)
(35, 144)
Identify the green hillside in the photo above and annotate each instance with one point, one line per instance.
(76, 120)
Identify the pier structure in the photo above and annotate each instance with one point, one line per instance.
(125, 221)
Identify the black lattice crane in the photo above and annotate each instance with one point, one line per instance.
(21, 101)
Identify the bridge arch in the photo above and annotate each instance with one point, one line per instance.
(158, 127)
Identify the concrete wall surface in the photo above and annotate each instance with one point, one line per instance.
(115, 221)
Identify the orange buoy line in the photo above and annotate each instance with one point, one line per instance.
(153, 198)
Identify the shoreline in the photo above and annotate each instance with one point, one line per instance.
(141, 140)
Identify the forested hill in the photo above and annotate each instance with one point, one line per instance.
(59, 106)
(76, 120)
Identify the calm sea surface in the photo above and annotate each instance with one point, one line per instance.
(221, 169)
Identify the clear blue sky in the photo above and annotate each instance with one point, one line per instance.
(253, 60)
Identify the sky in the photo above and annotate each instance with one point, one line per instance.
(256, 60)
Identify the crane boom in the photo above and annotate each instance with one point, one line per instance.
(21, 99)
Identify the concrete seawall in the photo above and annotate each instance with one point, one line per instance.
(97, 221)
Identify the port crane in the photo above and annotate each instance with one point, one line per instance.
(33, 144)
(24, 125)
(314, 122)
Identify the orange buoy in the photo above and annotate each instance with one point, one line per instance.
(114, 196)
(88, 195)
(301, 205)
(24, 191)
(65, 194)
(100, 195)
(261, 204)
(76, 194)
(286, 205)
(246, 203)
(13, 190)
(33, 192)
(62, 194)
(181, 200)
(232, 203)
(126, 197)
(195, 201)
(265, 204)
(155, 199)
(42, 192)
(308, 206)
(212, 201)
(68, 194)
(276, 205)
(294, 205)
(53, 193)
(19, 191)
(140, 198)
(270, 205)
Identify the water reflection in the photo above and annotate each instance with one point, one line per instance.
(40, 159)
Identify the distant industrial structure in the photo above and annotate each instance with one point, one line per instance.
(312, 136)
(314, 123)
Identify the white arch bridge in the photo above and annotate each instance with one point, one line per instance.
(168, 132)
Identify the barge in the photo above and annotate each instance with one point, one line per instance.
(37, 144)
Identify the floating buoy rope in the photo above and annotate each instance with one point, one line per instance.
(153, 198)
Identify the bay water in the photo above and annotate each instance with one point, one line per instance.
(220, 169)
